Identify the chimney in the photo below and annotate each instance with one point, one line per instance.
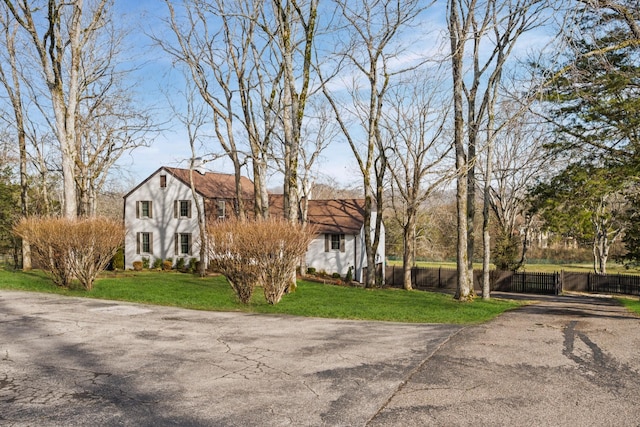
(198, 165)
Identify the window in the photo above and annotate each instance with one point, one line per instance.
(182, 244)
(334, 242)
(144, 243)
(144, 209)
(221, 209)
(182, 209)
(163, 181)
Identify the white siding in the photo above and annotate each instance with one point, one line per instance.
(354, 256)
(162, 224)
(333, 261)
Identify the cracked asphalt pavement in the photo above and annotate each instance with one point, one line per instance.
(72, 361)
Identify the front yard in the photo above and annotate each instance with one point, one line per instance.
(310, 299)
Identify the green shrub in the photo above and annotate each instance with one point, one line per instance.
(157, 264)
(311, 270)
(336, 275)
(145, 263)
(180, 264)
(506, 252)
(137, 265)
(117, 263)
(193, 265)
(349, 277)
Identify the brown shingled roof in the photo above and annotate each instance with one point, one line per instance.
(329, 216)
(214, 185)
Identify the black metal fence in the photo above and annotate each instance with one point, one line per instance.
(534, 283)
(614, 284)
(524, 282)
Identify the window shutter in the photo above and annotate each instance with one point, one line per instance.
(150, 209)
(137, 243)
(175, 209)
(137, 209)
(176, 244)
(342, 243)
(327, 242)
(189, 243)
(150, 241)
(189, 209)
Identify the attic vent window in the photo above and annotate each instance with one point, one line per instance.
(163, 181)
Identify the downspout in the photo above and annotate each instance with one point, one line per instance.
(355, 257)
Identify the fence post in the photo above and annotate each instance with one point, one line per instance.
(439, 277)
(393, 276)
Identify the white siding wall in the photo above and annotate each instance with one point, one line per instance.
(354, 256)
(163, 225)
(333, 261)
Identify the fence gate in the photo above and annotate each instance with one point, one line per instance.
(536, 283)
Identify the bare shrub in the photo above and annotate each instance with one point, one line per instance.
(228, 244)
(280, 245)
(249, 253)
(72, 248)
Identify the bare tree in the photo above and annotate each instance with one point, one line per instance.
(218, 58)
(319, 131)
(491, 28)
(518, 161)
(11, 81)
(59, 41)
(71, 66)
(110, 120)
(291, 15)
(414, 127)
(368, 47)
(243, 57)
(194, 120)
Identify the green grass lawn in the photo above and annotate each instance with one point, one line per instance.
(631, 304)
(310, 299)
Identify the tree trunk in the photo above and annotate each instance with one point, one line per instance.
(370, 279)
(457, 48)
(261, 195)
(409, 246)
(486, 237)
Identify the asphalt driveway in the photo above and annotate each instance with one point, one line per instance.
(71, 361)
(68, 361)
(565, 361)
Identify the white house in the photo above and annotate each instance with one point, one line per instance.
(161, 221)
